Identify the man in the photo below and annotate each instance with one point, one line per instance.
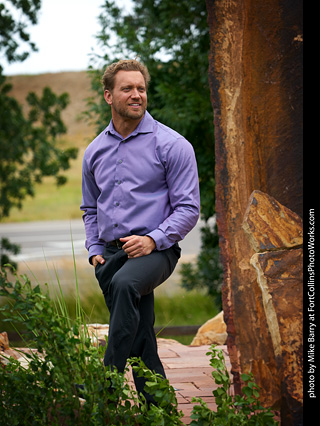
(140, 197)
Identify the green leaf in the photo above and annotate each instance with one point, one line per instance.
(245, 377)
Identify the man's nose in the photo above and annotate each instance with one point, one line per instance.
(135, 93)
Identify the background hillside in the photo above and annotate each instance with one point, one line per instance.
(50, 202)
(77, 84)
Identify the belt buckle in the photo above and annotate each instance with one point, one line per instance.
(119, 244)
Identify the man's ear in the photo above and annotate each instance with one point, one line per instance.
(108, 97)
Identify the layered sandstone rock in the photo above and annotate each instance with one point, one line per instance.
(270, 225)
(214, 331)
(255, 75)
(4, 341)
(275, 234)
(98, 333)
(6, 352)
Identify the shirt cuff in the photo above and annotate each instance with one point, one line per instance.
(94, 250)
(160, 239)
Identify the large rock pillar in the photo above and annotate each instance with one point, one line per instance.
(255, 75)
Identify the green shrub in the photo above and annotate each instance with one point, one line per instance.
(231, 410)
(45, 392)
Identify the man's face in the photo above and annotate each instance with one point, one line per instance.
(128, 98)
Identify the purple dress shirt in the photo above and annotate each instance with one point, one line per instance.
(146, 184)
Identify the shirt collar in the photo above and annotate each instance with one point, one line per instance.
(145, 126)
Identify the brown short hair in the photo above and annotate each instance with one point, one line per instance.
(123, 65)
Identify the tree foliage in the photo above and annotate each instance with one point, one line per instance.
(15, 18)
(172, 39)
(28, 141)
(28, 145)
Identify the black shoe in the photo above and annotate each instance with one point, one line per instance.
(80, 389)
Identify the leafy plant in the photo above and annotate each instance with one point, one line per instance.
(231, 410)
(45, 391)
(165, 412)
(7, 247)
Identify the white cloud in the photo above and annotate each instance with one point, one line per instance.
(64, 35)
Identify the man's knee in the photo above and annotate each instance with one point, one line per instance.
(122, 287)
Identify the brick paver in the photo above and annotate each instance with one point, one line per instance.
(189, 372)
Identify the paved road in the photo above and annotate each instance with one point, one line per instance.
(39, 240)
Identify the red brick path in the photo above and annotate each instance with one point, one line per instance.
(188, 370)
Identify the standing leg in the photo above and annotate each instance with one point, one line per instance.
(145, 344)
(129, 296)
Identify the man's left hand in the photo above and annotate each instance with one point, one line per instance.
(137, 245)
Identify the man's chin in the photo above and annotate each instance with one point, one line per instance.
(136, 115)
(125, 113)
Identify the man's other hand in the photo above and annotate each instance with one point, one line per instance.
(97, 259)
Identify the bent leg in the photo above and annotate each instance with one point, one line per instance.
(132, 313)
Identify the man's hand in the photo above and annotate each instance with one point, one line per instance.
(137, 246)
(97, 259)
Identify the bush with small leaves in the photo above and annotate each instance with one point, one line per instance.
(46, 391)
(232, 410)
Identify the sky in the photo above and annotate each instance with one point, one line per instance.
(64, 35)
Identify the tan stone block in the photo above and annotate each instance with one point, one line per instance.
(214, 331)
(271, 226)
(280, 277)
(4, 341)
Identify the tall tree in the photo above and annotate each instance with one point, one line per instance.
(16, 16)
(172, 39)
(28, 143)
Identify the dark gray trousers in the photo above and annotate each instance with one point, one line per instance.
(127, 286)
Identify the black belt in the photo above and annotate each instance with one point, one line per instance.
(116, 243)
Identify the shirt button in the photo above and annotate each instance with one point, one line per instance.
(117, 204)
(115, 225)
